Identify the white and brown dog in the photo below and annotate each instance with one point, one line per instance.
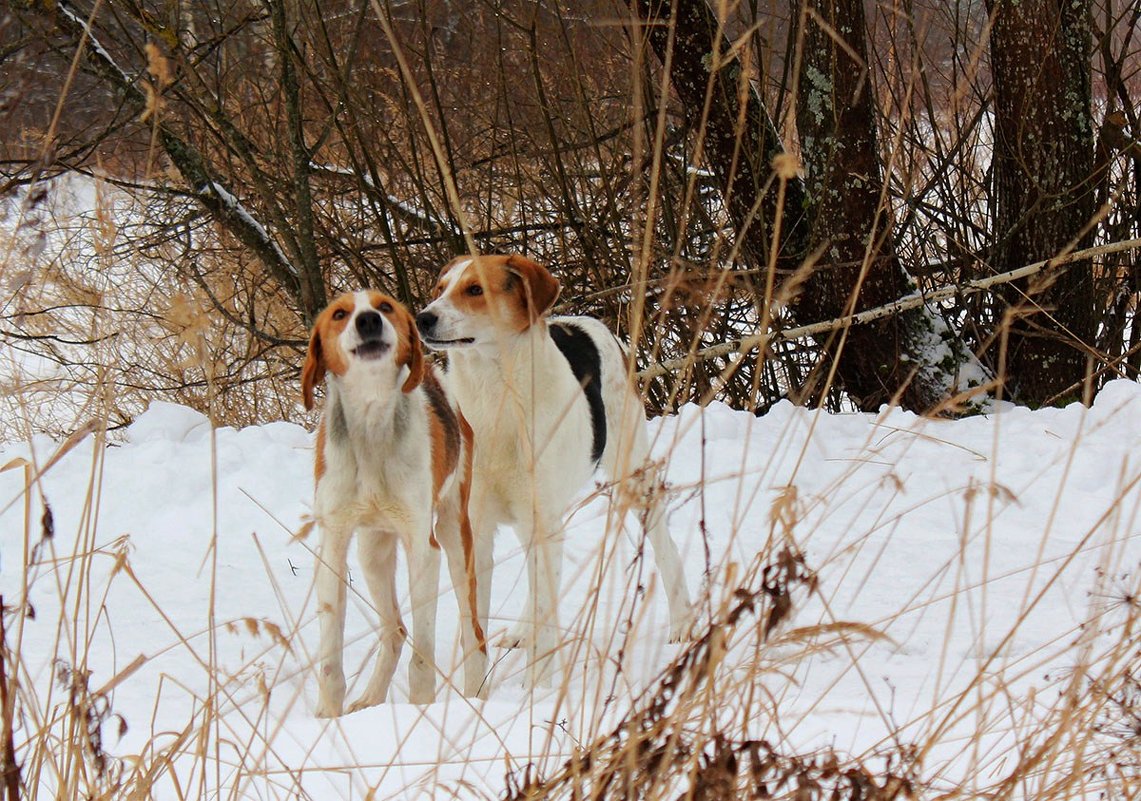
(549, 401)
(390, 449)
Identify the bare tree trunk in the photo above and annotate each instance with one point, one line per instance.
(312, 283)
(1044, 186)
(740, 143)
(909, 358)
(850, 222)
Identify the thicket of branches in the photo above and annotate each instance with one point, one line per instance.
(695, 173)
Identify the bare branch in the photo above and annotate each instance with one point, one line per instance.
(206, 187)
(913, 301)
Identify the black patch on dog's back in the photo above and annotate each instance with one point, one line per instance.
(586, 364)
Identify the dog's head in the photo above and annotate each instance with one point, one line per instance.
(479, 301)
(364, 330)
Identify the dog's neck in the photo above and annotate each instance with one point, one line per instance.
(500, 381)
(356, 404)
(509, 355)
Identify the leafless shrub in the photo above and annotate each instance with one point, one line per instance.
(309, 168)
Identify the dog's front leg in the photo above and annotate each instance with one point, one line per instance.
(544, 572)
(424, 586)
(332, 584)
(377, 553)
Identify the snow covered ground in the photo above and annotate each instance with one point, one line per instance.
(973, 546)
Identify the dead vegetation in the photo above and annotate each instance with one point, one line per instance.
(557, 134)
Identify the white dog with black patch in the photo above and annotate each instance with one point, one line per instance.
(549, 401)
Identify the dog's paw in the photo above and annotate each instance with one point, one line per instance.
(422, 697)
(364, 702)
(517, 637)
(327, 708)
(682, 630)
(330, 690)
(477, 689)
(542, 672)
(477, 679)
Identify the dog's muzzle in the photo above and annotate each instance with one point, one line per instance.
(426, 324)
(370, 328)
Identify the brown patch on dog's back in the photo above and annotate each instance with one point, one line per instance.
(444, 430)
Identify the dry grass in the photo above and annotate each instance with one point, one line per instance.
(723, 718)
(99, 326)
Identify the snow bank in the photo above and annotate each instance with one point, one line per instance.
(972, 545)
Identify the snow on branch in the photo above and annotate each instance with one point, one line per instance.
(912, 301)
(399, 210)
(223, 206)
(242, 213)
(89, 36)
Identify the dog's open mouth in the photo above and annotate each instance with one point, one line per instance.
(373, 349)
(432, 342)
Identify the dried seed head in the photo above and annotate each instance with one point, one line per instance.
(786, 166)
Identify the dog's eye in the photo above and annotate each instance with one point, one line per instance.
(340, 314)
(475, 290)
(385, 307)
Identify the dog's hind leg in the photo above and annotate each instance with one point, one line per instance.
(671, 575)
(639, 480)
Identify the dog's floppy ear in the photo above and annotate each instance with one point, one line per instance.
(414, 358)
(313, 372)
(540, 288)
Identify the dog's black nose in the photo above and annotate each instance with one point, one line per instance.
(426, 321)
(369, 324)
